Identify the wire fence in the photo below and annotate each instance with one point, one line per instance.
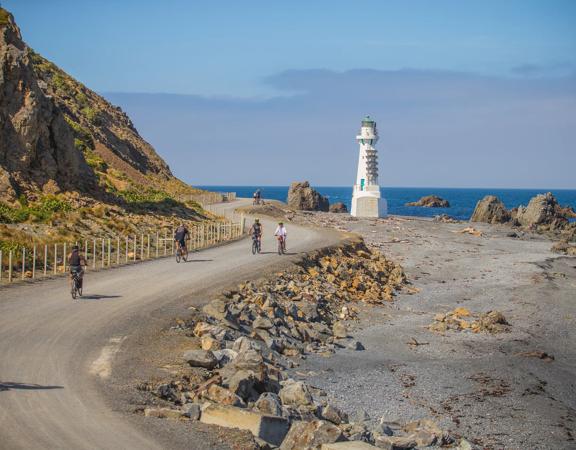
(48, 260)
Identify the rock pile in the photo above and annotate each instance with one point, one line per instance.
(243, 342)
(430, 201)
(302, 197)
(564, 248)
(542, 214)
(462, 319)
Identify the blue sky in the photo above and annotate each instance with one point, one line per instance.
(466, 93)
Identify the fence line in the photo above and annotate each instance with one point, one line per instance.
(107, 252)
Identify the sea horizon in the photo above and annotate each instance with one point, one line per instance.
(462, 200)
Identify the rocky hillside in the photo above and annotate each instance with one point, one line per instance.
(59, 136)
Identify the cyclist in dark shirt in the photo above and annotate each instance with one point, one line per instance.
(77, 262)
(180, 236)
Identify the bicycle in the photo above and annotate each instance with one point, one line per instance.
(281, 245)
(256, 244)
(76, 285)
(181, 253)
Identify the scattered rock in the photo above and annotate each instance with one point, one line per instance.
(445, 218)
(490, 210)
(360, 416)
(537, 354)
(472, 231)
(163, 413)
(269, 403)
(355, 345)
(339, 330)
(302, 197)
(200, 358)
(295, 393)
(490, 322)
(395, 442)
(191, 410)
(430, 201)
(271, 429)
(338, 207)
(334, 414)
(223, 396)
(564, 248)
(311, 435)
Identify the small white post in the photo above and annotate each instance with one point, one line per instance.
(142, 247)
(148, 246)
(94, 255)
(165, 241)
(64, 258)
(55, 269)
(45, 259)
(135, 247)
(118, 250)
(109, 254)
(34, 263)
(126, 247)
(172, 240)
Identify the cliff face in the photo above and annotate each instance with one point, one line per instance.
(37, 152)
(57, 135)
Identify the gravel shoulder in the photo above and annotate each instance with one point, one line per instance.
(476, 385)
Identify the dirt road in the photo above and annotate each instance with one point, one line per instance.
(55, 352)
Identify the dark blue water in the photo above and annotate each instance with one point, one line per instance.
(462, 201)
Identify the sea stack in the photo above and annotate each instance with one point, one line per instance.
(366, 200)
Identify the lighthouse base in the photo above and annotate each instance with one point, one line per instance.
(369, 206)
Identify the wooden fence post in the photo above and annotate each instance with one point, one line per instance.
(103, 253)
(55, 268)
(94, 255)
(157, 242)
(45, 259)
(10, 267)
(165, 241)
(1, 267)
(142, 247)
(118, 250)
(109, 255)
(148, 246)
(34, 263)
(135, 247)
(126, 248)
(64, 258)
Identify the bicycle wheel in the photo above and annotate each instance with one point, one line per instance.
(185, 255)
(280, 246)
(178, 255)
(74, 291)
(254, 246)
(259, 246)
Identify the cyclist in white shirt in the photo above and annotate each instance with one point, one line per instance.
(281, 233)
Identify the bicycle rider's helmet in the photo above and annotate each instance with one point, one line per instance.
(257, 220)
(280, 223)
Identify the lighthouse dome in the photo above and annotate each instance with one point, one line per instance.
(368, 122)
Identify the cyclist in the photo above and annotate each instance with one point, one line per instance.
(180, 236)
(281, 234)
(77, 262)
(256, 231)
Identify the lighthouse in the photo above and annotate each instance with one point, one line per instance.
(366, 200)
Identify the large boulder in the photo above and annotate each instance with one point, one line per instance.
(302, 197)
(490, 210)
(200, 358)
(543, 210)
(431, 201)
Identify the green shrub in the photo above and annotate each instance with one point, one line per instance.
(91, 114)
(95, 161)
(40, 211)
(4, 16)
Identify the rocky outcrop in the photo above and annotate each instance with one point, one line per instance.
(542, 212)
(37, 151)
(430, 201)
(490, 210)
(338, 207)
(57, 135)
(302, 197)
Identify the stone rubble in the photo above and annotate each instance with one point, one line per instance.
(461, 319)
(248, 338)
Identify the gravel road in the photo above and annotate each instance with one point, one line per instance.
(57, 355)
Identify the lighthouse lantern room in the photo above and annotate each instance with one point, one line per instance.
(366, 199)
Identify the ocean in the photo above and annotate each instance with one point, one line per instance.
(462, 201)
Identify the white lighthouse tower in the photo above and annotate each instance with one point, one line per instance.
(366, 201)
